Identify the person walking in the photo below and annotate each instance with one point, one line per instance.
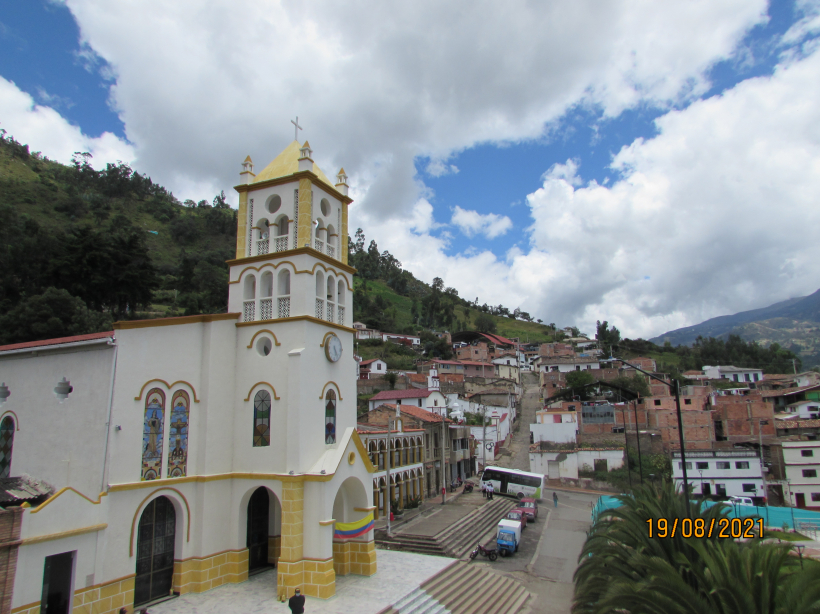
(555, 498)
(483, 490)
(297, 602)
(490, 491)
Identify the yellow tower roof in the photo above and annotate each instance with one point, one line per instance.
(287, 163)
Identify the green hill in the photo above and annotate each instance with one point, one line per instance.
(81, 248)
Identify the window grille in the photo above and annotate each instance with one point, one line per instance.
(284, 307)
(320, 245)
(320, 309)
(331, 251)
(250, 310)
(281, 244)
(266, 309)
(250, 227)
(330, 311)
(262, 246)
(341, 319)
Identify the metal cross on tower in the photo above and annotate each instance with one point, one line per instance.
(296, 128)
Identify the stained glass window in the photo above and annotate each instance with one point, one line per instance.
(152, 431)
(178, 435)
(261, 419)
(330, 417)
(6, 444)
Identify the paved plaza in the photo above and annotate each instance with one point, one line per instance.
(399, 573)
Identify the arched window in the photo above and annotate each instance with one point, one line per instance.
(152, 434)
(6, 445)
(249, 300)
(178, 435)
(283, 292)
(404, 453)
(261, 419)
(330, 417)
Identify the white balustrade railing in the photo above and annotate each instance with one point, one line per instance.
(281, 244)
(331, 251)
(320, 245)
(320, 309)
(341, 311)
(266, 309)
(284, 307)
(249, 311)
(330, 311)
(262, 246)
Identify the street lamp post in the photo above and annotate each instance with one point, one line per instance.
(676, 389)
(701, 482)
(638, 439)
(791, 504)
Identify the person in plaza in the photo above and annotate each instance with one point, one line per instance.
(555, 498)
(490, 491)
(483, 490)
(297, 602)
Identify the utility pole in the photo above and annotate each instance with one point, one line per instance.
(387, 470)
(638, 439)
(484, 437)
(676, 389)
(626, 443)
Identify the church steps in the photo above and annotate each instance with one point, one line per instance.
(464, 589)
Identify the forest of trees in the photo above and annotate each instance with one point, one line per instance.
(83, 262)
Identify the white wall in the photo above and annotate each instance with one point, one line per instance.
(559, 433)
(60, 443)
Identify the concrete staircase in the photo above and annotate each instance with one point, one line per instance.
(458, 539)
(464, 589)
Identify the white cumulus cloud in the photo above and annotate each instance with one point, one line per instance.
(473, 223)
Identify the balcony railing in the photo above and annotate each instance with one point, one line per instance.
(266, 309)
(262, 246)
(281, 244)
(249, 311)
(320, 245)
(330, 311)
(341, 311)
(284, 307)
(320, 309)
(331, 251)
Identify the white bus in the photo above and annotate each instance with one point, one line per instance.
(513, 482)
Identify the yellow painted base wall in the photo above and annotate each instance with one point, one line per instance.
(196, 575)
(97, 599)
(313, 578)
(351, 557)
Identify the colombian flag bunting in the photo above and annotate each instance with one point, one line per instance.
(349, 530)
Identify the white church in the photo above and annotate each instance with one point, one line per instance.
(190, 452)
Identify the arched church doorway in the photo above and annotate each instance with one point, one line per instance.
(258, 523)
(155, 552)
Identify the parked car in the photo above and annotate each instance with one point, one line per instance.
(734, 500)
(530, 506)
(519, 515)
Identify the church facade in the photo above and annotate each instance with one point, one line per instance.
(186, 453)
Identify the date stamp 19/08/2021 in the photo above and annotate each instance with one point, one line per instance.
(723, 528)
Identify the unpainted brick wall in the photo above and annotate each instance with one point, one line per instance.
(10, 523)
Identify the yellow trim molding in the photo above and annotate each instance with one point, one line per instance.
(324, 339)
(326, 523)
(279, 477)
(363, 452)
(207, 317)
(335, 385)
(52, 536)
(314, 178)
(142, 503)
(168, 386)
(364, 509)
(266, 384)
(290, 252)
(66, 489)
(296, 319)
(264, 330)
(296, 271)
(16, 419)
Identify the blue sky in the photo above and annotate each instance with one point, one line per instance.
(585, 161)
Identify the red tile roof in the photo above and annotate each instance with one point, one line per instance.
(58, 341)
(476, 363)
(787, 391)
(412, 393)
(367, 362)
(418, 413)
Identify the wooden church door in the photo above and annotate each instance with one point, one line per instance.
(155, 552)
(258, 519)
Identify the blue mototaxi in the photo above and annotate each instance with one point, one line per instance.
(508, 537)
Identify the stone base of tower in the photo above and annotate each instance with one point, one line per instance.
(351, 557)
(313, 578)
